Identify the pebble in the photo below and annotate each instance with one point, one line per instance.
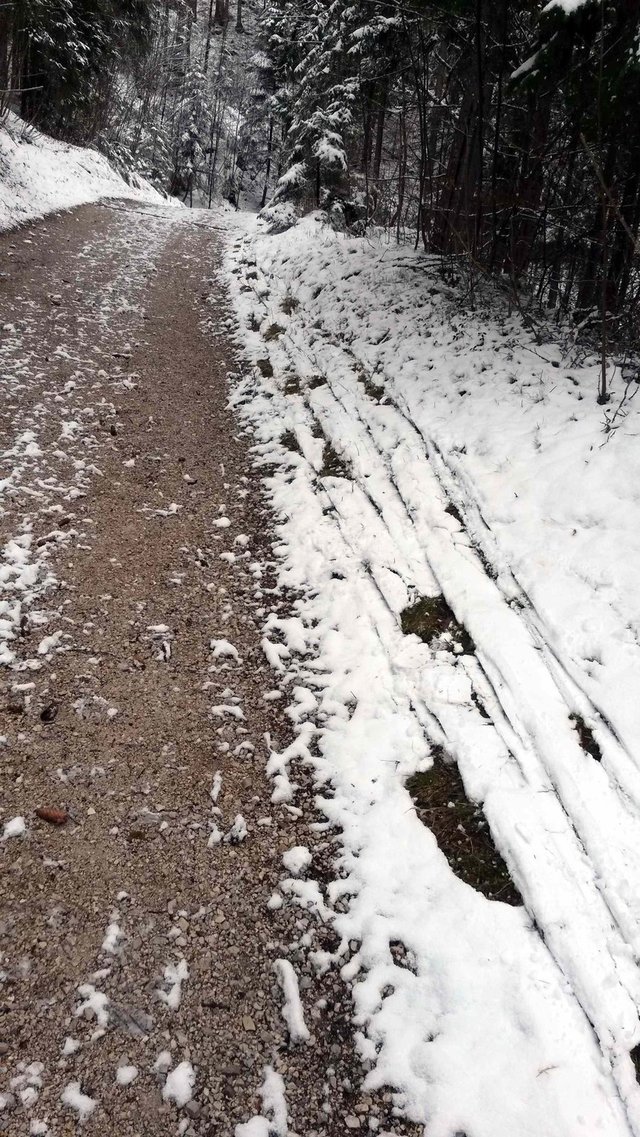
(248, 1022)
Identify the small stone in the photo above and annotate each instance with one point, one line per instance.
(4, 1047)
(192, 1108)
(352, 1122)
(248, 1022)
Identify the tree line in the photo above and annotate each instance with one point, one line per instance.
(498, 131)
(164, 87)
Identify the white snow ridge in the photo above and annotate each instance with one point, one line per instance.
(468, 471)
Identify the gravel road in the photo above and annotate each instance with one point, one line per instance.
(140, 916)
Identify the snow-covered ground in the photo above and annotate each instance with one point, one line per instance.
(419, 448)
(39, 175)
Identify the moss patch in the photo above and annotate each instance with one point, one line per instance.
(373, 390)
(461, 830)
(265, 368)
(432, 620)
(332, 464)
(289, 440)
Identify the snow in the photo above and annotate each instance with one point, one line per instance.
(238, 831)
(215, 836)
(82, 1104)
(174, 976)
(95, 1001)
(47, 644)
(70, 1046)
(39, 175)
(179, 1084)
(567, 6)
(274, 1119)
(214, 792)
(113, 937)
(125, 1075)
(292, 1011)
(297, 860)
(16, 827)
(222, 649)
(474, 467)
(163, 1062)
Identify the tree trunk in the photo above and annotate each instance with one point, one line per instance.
(221, 16)
(382, 109)
(267, 173)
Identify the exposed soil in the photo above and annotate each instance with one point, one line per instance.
(461, 830)
(587, 738)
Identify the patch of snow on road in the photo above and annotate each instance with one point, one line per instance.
(297, 860)
(16, 827)
(126, 1074)
(114, 936)
(222, 649)
(179, 1084)
(274, 1119)
(174, 976)
(292, 1011)
(93, 1001)
(73, 1097)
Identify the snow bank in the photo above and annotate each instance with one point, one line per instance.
(419, 448)
(39, 175)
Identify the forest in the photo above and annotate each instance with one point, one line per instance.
(503, 136)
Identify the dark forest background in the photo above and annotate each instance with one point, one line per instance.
(501, 135)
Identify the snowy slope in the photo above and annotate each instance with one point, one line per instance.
(471, 463)
(39, 175)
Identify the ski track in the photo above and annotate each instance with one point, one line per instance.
(568, 827)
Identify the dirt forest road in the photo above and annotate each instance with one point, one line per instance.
(140, 988)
